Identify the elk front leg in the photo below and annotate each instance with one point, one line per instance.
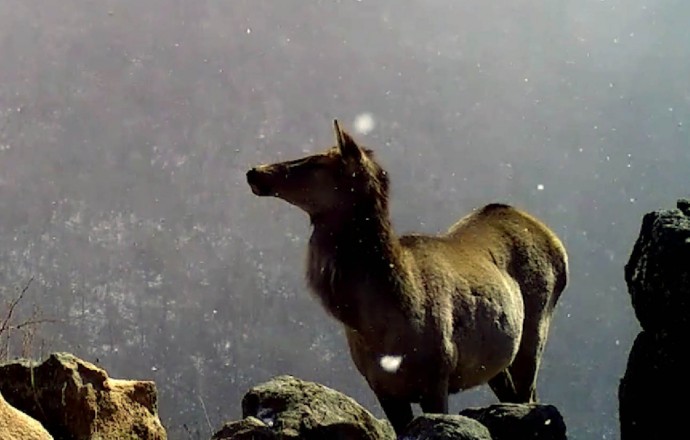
(435, 401)
(398, 412)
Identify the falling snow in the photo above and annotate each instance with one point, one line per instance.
(160, 112)
(364, 123)
(390, 363)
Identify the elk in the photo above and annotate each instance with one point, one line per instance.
(456, 310)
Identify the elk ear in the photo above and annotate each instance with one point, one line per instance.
(347, 146)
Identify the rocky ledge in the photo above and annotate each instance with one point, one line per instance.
(286, 407)
(74, 399)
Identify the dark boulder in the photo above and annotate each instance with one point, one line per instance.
(509, 421)
(658, 271)
(658, 278)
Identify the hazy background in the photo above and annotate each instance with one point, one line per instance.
(126, 128)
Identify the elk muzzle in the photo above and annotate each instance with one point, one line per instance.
(259, 180)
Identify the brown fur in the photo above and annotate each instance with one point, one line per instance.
(464, 308)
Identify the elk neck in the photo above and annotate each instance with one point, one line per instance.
(355, 266)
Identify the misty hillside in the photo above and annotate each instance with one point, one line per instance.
(126, 129)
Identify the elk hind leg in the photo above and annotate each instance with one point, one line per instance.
(503, 387)
(525, 367)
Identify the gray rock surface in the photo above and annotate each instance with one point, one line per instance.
(445, 427)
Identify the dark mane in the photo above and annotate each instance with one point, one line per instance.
(495, 207)
(342, 249)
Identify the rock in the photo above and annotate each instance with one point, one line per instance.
(658, 271)
(653, 380)
(684, 206)
(445, 426)
(289, 408)
(658, 278)
(249, 428)
(15, 425)
(509, 421)
(74, 399)
(297, 409)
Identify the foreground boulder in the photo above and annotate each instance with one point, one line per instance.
(74, 399)
(290, 408)
(509, 421)
(15, 425)
(658, 278)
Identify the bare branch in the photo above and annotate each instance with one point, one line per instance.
(13, 304)
(27, 327)
(37, 321)
(203, 406)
